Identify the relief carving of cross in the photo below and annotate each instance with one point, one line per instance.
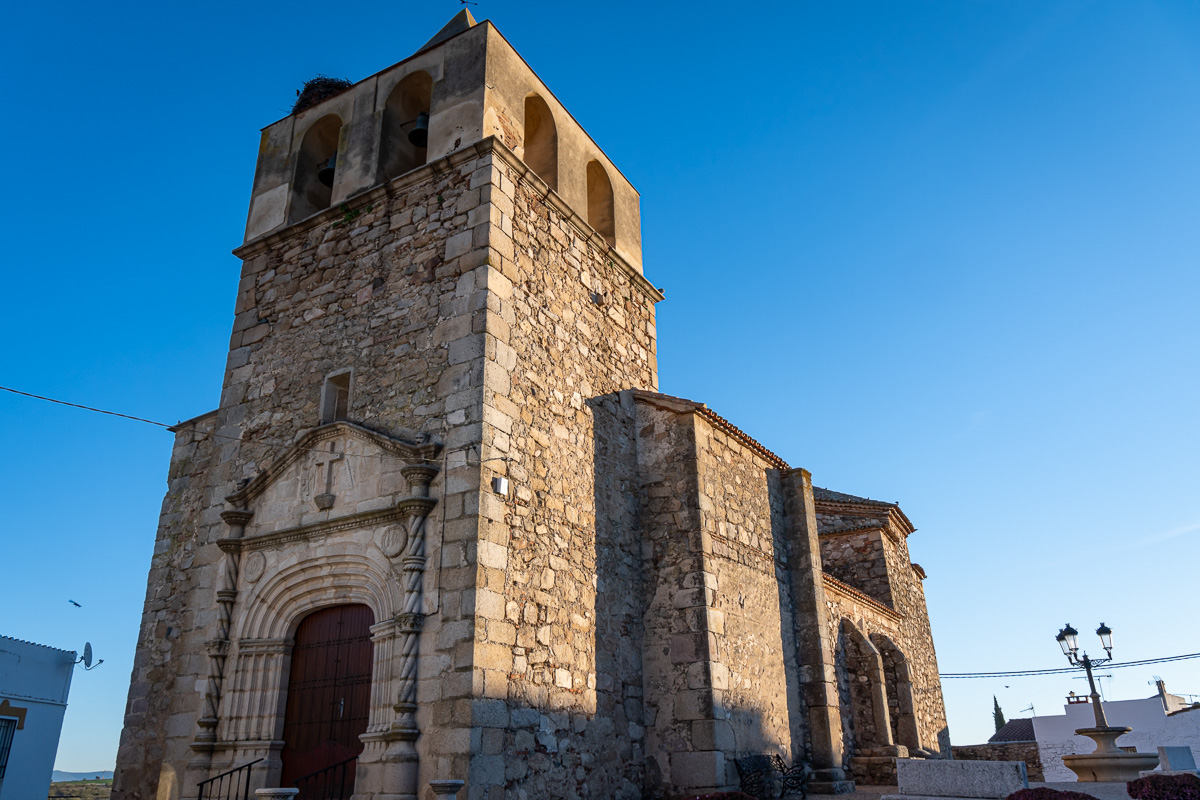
(326, 461)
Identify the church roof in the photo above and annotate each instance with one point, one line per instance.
(462, 21)
(831, 496)
(1015, 730)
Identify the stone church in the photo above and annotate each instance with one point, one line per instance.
(443, 525)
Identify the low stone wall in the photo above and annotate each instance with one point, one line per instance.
(1004, 751)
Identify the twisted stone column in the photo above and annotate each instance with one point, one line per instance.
(218, 648)
(402, 754)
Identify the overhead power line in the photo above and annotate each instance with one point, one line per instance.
(263, 442)
(1064, 670)
(86, 408)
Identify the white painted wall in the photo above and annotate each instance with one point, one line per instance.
(1152, 728)
(35, 678)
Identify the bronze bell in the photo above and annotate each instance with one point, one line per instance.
(419, 135)
(325, 176)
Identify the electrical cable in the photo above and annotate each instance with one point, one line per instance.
(264, 442)
(1063, 670)
(85, 408)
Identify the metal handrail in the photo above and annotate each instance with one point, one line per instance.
(327, 788)
(234, 784)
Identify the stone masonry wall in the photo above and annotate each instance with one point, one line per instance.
(1004, 751)
(558, 630)
(915, 639)
(857, 558)
(388, 289)
(753, 669)
(720, 665)
(678, 592)
(902, 624)
(166, 658)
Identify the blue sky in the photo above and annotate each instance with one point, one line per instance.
(937, 252)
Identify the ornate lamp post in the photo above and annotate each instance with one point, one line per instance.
(1068, 639)
(1108, 762)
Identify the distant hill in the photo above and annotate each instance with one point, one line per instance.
(58, 776)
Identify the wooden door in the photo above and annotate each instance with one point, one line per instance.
(328, 698)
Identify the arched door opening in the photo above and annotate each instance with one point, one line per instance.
(328, 699)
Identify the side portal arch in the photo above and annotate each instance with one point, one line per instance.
(901, 701)
(866, 725)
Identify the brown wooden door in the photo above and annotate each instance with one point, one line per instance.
(329, 696)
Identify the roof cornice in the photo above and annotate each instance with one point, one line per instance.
(846, 589)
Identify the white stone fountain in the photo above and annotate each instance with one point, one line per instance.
(1107, 762)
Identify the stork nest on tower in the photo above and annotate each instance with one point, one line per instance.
(317, 90)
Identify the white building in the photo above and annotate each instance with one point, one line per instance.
(34, 682)
(1161, 720)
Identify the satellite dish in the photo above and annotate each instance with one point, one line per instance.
(86, 658)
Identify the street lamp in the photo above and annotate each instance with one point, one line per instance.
(1068, 639)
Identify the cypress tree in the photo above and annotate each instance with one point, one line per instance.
(997, 714)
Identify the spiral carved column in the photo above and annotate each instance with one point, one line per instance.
(402, 753)
(218, 648)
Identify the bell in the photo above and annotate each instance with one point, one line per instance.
(419, 135)
(325, 176)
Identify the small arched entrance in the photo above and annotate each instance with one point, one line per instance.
(866, 723)
(901, 703)
(328, 699)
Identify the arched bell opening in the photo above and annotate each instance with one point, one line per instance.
(328, 700)
(405, 135)
(541, 140)
(316, 168)
(600, 208)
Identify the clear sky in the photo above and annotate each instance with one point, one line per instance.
(937, 252)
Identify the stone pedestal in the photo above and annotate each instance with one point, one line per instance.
(446, 790)
(1108, 762)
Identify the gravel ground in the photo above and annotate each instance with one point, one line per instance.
(1102, 791)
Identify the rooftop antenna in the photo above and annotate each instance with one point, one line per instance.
(1031, 710)
(86, 658)
(1098, 683)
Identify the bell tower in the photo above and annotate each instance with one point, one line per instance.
(418, 438)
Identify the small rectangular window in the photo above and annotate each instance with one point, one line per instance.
(335, 403)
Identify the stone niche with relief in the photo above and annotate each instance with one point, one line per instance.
(341, 490)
